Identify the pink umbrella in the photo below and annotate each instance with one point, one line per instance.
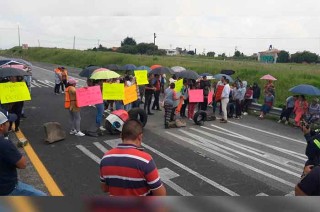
(268, 77)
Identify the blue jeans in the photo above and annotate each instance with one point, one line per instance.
(100, 109)
(119, 105)
(23, 189)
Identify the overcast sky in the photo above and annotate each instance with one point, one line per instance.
(207, 25)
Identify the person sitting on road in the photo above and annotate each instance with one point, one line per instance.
(313, 113)
(10, 160)
(129, 171)
(268, 104)
(288, 108)
(300, 108)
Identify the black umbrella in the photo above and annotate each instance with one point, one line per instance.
(87, 71)
(227, 72)
(128, 67)
(162, 70)
(12, 72)
(188, 74)
(113, 67)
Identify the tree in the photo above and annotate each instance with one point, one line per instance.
(143, 48)
(305, 56)
(191, 52)
(211, 54)
(128, 49)
(283, 57)
(237, 54)
(128, 41)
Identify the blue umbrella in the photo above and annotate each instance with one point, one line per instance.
(218, 76)
(144, 68)
(306, 90)
(205, 74)
(128, 67)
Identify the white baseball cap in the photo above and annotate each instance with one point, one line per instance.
(5, 116)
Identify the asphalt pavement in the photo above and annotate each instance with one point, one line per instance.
(246, 157)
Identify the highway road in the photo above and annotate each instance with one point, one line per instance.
(246, 157)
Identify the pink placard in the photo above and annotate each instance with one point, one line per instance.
(210, 97)
(88, 96)
(196, 95)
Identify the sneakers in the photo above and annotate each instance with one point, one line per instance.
(245, 113)
(102, 128)
(223, 121)
(72, 132)
(279, 121)
(79, 134)
(62, 91)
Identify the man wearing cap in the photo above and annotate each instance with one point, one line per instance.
(10, 160)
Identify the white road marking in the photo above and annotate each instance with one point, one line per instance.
(33, 82)
(270, 133)
(292, 193)
(269, 156)
(100, 146)
(88, 153)
(241, 163)
(262, 195)
(49, 82)
(285, 151)
(166, 176)
(44, 82)
(209, 181)
(113, 142)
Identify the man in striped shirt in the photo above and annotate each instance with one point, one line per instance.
(128, 171)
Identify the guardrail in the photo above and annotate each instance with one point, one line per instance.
(274, 110)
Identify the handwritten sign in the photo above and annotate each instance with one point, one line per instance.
(179, 85)
(210, 95)
(130, 94)
(141, 77)
(196, 95)
(113, 91)
(88, 96)
(14, 92)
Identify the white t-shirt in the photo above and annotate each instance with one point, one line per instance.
(225, 91)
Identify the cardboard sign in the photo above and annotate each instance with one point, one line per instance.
(210, 97)
(88, 96)
(113, 91)
(130, 94)
(196, 95)
(219, 92)
(141, 77)
(14, 92)
(179, 85)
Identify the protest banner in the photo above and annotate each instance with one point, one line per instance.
(130, 94)
(210, 97)
(196, 95)
(141, 77)
(14, 92)
(179, 85)
(88, 96)
(113, 91)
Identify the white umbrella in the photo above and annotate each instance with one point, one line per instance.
(177, 69)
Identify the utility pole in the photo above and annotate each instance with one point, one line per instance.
(19, 34)
(74, 41)
(154, 38)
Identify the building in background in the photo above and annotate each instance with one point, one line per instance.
(269, 56)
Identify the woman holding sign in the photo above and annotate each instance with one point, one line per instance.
(74, 110)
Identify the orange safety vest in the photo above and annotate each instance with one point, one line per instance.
(67, 99)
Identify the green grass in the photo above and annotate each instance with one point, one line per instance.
(288, 75)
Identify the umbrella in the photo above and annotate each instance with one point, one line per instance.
(3, 62)
(155, 66)
(21, 61)
(206, 74)
(12, 72)
(306, 90)
(143, 68)
(104, 75)
(188, 74)
(218, 76)
(87, 71)
(128, 67)
(100, 69)
(178, 69)
(227, 72)
(161, 70)
(113, 67)
(268, 77)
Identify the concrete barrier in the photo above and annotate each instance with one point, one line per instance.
(54, 132)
